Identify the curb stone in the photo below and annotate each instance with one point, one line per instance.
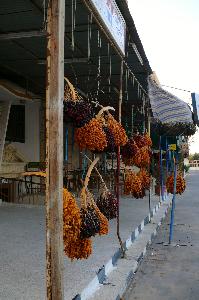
(101, 278)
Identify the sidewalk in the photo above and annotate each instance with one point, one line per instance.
(172, 272)
(22, 250)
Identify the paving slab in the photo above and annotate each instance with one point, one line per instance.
(22, 250)
(171, 272)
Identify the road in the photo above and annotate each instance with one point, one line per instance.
(171, 272)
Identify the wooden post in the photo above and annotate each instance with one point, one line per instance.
(54, 150)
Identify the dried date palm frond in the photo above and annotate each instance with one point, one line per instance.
(70, 93)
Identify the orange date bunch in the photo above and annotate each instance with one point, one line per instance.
(129, 151)
(137, 151)
(180, 184)
(142, 158)
(91, 136)
(79, 249)
(118, 131)
(142, 140)
(148, 140)
(133, 185)
(103, 222)
(145, 179)
(74, 247)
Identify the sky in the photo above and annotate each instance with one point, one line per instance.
(169, 31)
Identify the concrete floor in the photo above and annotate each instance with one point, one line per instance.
(22, 250)
(172, 272)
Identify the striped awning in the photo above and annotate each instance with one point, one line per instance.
(166, 107)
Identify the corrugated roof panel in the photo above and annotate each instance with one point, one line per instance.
(14, 6)
(21, 21)
(10, 50)
(166, 107)
(28, 68)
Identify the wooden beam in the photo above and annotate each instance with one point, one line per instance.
(54, 150)
(22, 34)
(39, 9)
(75, 60)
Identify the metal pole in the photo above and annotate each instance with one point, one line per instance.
(149, 133)
(118, 162)
(132, 118)
(173, 203)
(167, 158)
(169, 166)
(54, 150)
(161, 170)
(167, 161)
(150, 200)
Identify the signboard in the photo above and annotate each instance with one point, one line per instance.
(172, 147)
(195, 103)
(113, 20)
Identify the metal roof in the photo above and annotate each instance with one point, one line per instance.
(23, 50)
(123, 6)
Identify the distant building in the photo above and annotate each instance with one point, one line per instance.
(194, 163)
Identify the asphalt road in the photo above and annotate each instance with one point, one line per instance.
(171, 272)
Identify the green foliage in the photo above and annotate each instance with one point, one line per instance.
(186, 168)
(194, 156)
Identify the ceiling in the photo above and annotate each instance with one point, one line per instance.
(23, 52)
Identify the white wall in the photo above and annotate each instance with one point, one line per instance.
(4, 116)
(31, 148)
(186, 161)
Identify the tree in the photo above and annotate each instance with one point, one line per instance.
(194, 156)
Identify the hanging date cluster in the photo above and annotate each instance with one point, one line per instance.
(180, 184)
(137, 151)
(111, 146)
(102, 133)
(79, 225)
(142, 140)
(136, 184)
(145, 179)
(80, 112)
(92, 219)
(74, 246)
(133, 185)
(142, 157)
(107, 203)
(129, 152)
(76, 109)
(91, 136)
(118, 131)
